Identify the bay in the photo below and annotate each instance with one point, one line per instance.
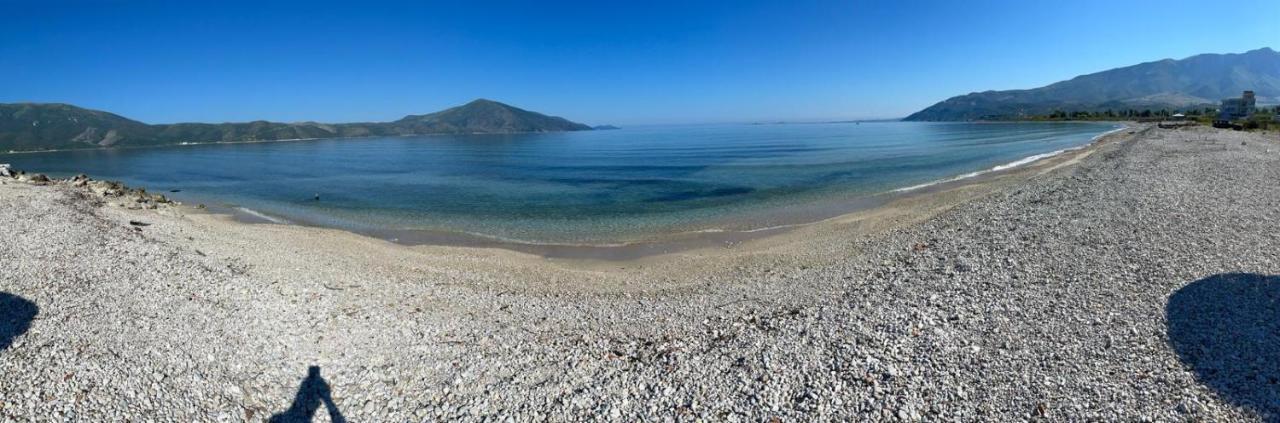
(585, 187)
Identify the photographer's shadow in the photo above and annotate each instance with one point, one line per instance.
(313, 393)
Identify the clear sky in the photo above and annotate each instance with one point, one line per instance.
(591, 61)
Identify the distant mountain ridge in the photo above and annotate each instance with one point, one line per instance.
(44, 126)
(485, 116)
(1199, 80)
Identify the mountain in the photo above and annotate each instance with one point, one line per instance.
(1202, 80)
(43, 126)
(485, 116)
(38, 126)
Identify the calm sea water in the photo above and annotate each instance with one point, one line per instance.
(576, 187)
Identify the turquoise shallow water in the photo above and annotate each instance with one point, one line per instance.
(575, 187)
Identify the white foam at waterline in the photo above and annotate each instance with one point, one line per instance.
(1010, 165)
(1029, 159)
(262, 216)
(1006, 166)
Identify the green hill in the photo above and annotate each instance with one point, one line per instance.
(44, 126)
(485, 116)
(1202, 80)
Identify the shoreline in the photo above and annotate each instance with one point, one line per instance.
(784, 220)
(1018, 163)
(776, 224)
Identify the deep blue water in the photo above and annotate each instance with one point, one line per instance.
(592, 186)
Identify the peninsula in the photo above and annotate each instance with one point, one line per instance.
(53, 126)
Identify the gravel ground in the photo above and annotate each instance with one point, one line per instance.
(1137, 284)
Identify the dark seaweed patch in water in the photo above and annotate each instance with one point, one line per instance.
(695, 195)
(628, 169)
(608, 182)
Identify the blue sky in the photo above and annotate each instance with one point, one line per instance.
(592, 61)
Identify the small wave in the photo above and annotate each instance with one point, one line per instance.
(1010, 165)
(1006, 166)
(1099, 136)
(263, 216)
(940, 181)
(1029, 159)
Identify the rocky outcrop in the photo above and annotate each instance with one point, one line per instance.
(89, 136)
(34, 178)
(113, 193)
(119, 195)
(112, 137)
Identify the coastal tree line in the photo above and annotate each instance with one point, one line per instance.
(1261, 119)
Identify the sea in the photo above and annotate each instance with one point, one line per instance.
(603, 187)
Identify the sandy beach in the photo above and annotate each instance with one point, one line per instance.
(1134, 279)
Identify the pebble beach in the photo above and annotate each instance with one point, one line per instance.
(1136, 279)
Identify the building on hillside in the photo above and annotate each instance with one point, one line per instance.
(1238, 108)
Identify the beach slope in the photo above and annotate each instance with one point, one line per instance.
(1135, 279)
